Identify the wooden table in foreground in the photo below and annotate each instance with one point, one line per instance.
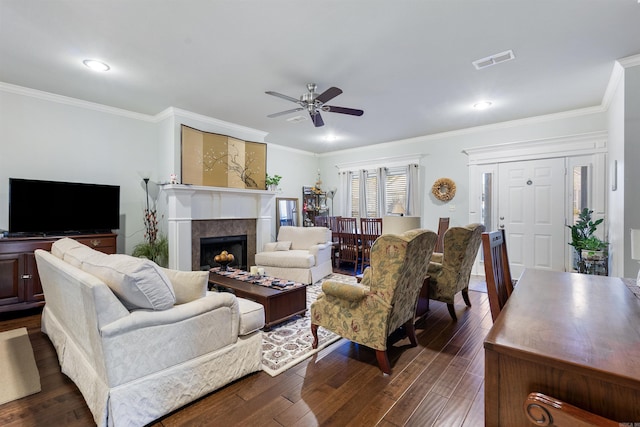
(279, 305)
(572, 336)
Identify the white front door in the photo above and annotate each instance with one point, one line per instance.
(531, 209)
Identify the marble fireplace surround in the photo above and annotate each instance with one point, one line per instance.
(198, 211)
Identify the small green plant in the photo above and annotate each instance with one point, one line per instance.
(582, 238)
(272, 180)
(583, 229)
(158, 251)
(593, 243)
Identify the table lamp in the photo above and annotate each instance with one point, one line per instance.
(398, 209)
(635, 249)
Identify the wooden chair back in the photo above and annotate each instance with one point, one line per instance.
(497, 272)
(539, 407)
(348, 249)
(321, 221)
(333, 226)
(443, 225)
(370, 230)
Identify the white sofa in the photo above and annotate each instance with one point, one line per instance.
(301, 254)
(134, 365)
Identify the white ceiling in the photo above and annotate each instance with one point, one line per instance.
(407, 64)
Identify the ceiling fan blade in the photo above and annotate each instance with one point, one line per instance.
(282, 113)
(342, 110)
(316, 118)
(279, 95)
(328, 94)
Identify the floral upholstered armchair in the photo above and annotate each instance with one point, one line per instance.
(450, 271)
(367, 312)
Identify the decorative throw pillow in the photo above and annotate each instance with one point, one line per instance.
(188, 285)
(60, 247)
(284, 245)
(73, 252)
(269, 247)
(137, 282)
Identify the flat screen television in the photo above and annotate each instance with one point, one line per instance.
(52, 207)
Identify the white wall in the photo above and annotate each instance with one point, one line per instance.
(441, 155)
(296, 167)
(632, 160)
(56, 138)
(615, 124)
(45, 136)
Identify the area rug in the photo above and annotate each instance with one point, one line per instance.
(18, 368)
(289, 343)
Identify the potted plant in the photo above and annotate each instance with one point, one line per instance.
(583, 239)
(594, 249)
(272, 182)
(155, 246)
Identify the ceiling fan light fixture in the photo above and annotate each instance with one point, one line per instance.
(297, 119)
(482, 105)
(314, 103)
(96, 65)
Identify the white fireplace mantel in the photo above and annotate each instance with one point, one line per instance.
(186, 203)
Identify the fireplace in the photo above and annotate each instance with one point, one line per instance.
(195, 212)
(212, 246)
(224, 233)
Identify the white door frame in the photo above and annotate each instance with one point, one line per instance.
(486, 158)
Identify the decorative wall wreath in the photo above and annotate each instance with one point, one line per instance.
(444, 189)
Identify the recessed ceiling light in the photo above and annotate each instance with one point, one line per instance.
(96, 65)
(482, 105)
(330, 138)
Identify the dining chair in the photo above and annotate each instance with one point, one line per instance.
(539, 407)
(370, 230)
(335, 238)
(497, 272)
(348, 248)
(321, 221)
(443, 226)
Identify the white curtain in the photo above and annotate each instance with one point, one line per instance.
(382, 194)
(413, 190)
(362, 197)
(344, 192)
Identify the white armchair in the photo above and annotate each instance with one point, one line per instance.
(301, 254)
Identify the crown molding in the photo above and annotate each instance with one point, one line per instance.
(231, 128)
(617, 74)
(630, 61)
(74, 102)
(584, 143)
(476, 129)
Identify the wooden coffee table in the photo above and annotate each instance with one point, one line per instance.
(279, 304)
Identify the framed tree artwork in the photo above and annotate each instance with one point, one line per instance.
(215, 160)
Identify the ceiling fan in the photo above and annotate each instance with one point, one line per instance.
(314, 103)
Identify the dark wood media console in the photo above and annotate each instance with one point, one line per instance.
(20, 287)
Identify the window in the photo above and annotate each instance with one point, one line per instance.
(396, 188)
(395, 191)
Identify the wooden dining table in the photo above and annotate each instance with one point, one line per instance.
(572, 336)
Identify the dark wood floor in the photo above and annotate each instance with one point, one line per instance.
(438, 383)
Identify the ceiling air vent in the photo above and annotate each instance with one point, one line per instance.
(493, 59)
